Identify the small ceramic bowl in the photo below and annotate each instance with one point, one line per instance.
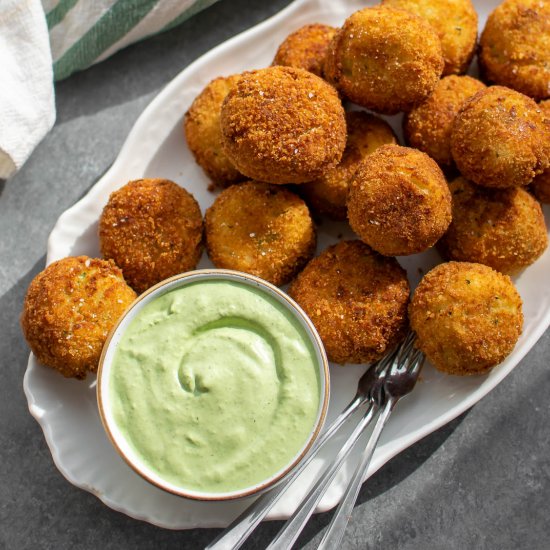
(105, 402)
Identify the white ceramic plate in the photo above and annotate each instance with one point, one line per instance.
(67, 409)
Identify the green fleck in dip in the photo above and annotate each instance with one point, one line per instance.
(215, 385)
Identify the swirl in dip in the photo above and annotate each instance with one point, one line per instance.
(215, 386)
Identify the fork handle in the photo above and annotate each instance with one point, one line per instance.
(339, 522)
(294, 525)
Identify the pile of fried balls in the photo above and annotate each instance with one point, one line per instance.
(302, 140)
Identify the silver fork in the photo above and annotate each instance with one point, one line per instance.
(393, 379)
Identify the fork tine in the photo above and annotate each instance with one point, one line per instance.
(406, 346)
(416, 362)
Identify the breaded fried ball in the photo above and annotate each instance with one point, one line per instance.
(69, 309)
(541, 184)
(467, 317)
(357, 300)
(515, 45)
(385, 59)
(455, 22)
(306, 48)
(283, 125)
(204, 135)
(499, 139)
(262, 229)
(399, 202)
(501, 228)
(428, 126)
(328, 194)
(152, 229)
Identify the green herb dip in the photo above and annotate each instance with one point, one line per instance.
(215, 385)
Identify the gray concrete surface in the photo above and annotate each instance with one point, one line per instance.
(480, 482)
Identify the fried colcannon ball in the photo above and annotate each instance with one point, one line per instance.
(467, 317)
(262, 229)
(515, 44)
(428, 126)
(501, 228)
(203, 132)
(499, 138)
(455, 22)
(69, 309)
(306, 48)
(283, 125)
(385, 59)
(328, 194)
(152, 229)
(357, 300)
(541, 184)
(399, 202)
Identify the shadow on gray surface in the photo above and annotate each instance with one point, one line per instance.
(156, 60)
(391, 474)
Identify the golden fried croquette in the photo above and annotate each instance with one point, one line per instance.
(69, 309)
(306, 48)
(541, 184)
(283, 125)
(385, 59)
(467, 317)
(262, 229)
(328, 194)
(515, 45)
(399, 202)
(357, 300)
(499, 138)
(428, 126)
(152, 229)
(203, 132)
(501, 228)
(454, 21)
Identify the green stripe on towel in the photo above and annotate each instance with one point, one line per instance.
(59, 12)
(113, 25)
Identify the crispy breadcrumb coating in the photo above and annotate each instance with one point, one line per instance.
(306, 48)
(455, 22)
(467, 317)
(385, 59)
(262, 229)
(283, 125)
(204, 135)
(541, 184)
(499, 138)
(357, 300)
(399, 202)
(428, 126)
(501, 228)
(328, 194)
(515, 45)
(152, 229)
(69, 309)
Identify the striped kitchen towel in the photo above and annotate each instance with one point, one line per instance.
(63, 36)
(83, 32)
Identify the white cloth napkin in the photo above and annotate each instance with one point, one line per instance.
(81, 32)
(27, 107)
